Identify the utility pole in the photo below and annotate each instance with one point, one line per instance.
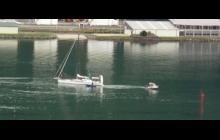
(119, 25)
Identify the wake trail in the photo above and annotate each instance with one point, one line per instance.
(14, 78)
(122, 86)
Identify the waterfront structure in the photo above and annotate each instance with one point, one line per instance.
(98, 22)
(159, 28)
(8, 27)
(197, 27)
(105, 22)
(176, 27)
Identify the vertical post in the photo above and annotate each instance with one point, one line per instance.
(202, 30)
(218, 48)
(219, 31)
(201, 48)
(202, 102)
(185, 30)
(176, 32)
(193, 30)
(15, 109)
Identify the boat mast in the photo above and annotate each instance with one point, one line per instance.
(77, 65)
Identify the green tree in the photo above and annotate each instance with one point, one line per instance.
(143, 33)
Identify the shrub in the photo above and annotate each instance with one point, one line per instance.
(149, 33)
(143, 33)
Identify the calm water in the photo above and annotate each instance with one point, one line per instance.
(181, 70)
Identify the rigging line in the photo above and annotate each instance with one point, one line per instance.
(77, 66)
(61, 64)
(63, 61)
(66, 59)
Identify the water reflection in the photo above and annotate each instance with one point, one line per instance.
(44, 57)
(201, 49)
(81, 91)
(152, 93)
(118, 62)
(8, 53)
(100, 59)
(27, 69)
(25, 56)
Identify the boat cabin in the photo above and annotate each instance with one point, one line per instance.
(95, 79)
(152, 84)
(81, 77)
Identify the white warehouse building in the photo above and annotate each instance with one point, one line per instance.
(8, 27)
(159, 28)
(105, 22)
(46, 21)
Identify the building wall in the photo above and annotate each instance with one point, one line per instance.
(46, 21)
(9, 30)
(138, 31)
(127, 31)
(97, 22)
(167, 33)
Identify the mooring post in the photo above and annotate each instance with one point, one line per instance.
(202, 97)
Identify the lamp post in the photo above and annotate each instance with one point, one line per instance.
(119, 25)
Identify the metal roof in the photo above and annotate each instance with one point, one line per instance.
(151, 25)
(8, 24)
(207, 22)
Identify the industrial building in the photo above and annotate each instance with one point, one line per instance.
(197, 27)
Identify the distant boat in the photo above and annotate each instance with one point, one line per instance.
(152, 86)
(85, 80)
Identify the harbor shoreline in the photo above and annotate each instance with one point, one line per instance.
(112, 37)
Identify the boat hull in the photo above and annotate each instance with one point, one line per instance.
(79, 82)
(89, 85)
(152, 88)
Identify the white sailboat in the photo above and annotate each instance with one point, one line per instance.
(82, 80)
(96, 81)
